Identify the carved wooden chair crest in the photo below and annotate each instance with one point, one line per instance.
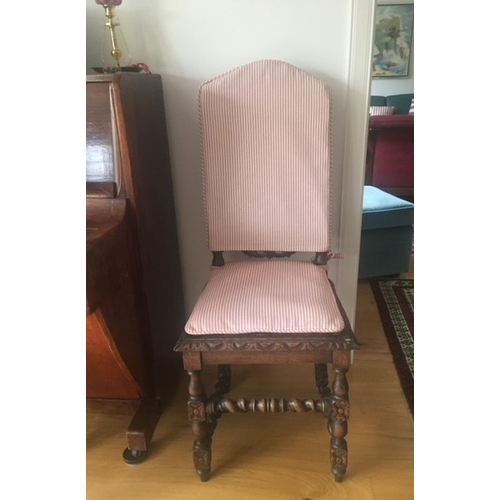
(266, 171)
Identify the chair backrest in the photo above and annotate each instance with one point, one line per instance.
(266, 159)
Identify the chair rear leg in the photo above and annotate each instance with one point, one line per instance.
(321, 376)
(224, 379)
(202, 447)
(222, 387)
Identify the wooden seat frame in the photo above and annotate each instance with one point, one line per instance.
(225, 350)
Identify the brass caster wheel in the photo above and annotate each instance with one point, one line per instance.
(134, 457)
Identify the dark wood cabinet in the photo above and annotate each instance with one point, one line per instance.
(135, 310)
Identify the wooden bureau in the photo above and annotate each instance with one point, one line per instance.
(135, 309)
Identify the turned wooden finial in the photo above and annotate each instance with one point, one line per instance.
(321, 258)
(218, 259)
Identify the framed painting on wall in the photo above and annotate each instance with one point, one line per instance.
(393, 39)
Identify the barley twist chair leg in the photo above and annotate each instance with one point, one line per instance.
(202, 447)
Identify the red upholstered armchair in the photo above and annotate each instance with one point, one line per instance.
(389, 161)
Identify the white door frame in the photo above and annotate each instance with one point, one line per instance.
(359, 87)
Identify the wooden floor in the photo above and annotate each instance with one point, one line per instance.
(271, 456)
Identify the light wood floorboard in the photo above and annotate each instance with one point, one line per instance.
(272, 456)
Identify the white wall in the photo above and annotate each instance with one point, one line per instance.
(190, 41)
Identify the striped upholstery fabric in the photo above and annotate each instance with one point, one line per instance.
(266, 159)
(412, 107)
(270, 296)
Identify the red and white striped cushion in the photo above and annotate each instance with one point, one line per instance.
(271, 296)
(266, 159)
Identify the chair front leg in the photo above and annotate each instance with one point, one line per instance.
(202, 447)
(338, 416)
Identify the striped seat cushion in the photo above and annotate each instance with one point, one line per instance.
(268, 297)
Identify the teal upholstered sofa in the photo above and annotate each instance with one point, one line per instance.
(401, 102)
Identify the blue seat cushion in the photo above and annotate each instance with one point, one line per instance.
(381, 209)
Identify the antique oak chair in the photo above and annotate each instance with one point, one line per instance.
(265, 131)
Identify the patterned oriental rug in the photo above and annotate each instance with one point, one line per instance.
(395, 301)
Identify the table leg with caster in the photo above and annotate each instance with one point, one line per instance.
(140, 432)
